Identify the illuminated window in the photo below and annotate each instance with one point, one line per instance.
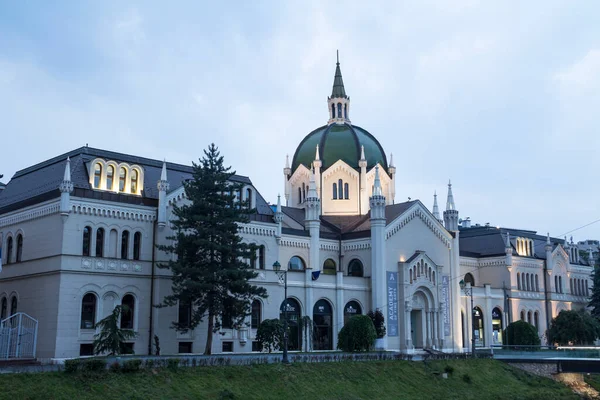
(97, 175)
(329, 267)
(122, 178)
(296, 264)
(134, 181)
(110, 176)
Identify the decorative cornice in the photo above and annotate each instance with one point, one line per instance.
(417, 211)
(288, 242)
(38, 211)
(340, 165)
(364, 245)
(101, 264)
(102, 210)
(257, 230)
(330, 246)
(300, 174)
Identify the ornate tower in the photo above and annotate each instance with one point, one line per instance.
(163, 187)
(66, 187)
(436, 210)
(338, 103)
(451, 213)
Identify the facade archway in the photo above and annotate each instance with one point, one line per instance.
(322, 326)
(293, 319)
(497, 326)
(351, 309)
(478, 328)
(423, 320)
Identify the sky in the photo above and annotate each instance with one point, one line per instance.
(502, 98)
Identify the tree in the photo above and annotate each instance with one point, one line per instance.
(358, 334)
(112, 339)
(573, 327)
(378, 321)
(270, 334)
(210, 271)
(521, 333)
(595, 298)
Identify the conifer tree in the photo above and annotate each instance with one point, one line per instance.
(211, 271)
(595, 298)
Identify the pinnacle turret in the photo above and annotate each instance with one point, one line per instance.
(436, 210)
(338, 103)
(450, 201)
(338, 83)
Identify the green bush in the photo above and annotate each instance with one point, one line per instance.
(379, 322)
(521, 333)
(93, 365)
(573, 328)
(115, 366)
(358, 334)
(270, 334)
(131, 365)
(173, 363)
(73, 365)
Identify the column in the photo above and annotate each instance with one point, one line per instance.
(434, 316)
(440, 315)
(408, 308)
(427, 328)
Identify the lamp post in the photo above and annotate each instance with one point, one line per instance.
(466, 287)
(282, 274)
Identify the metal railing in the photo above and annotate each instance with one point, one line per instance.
(541, 352)
(18, 337)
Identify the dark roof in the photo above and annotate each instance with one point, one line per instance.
(44, 178)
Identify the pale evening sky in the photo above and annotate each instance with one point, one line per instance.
(500, 97)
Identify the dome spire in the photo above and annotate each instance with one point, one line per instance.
(338, 103)
(338, 83)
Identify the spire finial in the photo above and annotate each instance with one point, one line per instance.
(317, 154)
(287, 160)
(377, 186)
(507, 239)
(450, 201)
(278, 203)
(548, 238)
(436, 210)
(362, 153)
(67, 176)
(338, 57)
(338, 84)
(163, 173)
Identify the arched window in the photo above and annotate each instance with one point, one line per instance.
(469, 279)
(291, 309)
(527, 286)
(134, 181)
(556, 284)
(560, 283)
(88, 311)
(571, 285)
(122, 179)
(518, 281)
(113, 242)
(110, 177)
(261, 256)
(124, 244)
(478, 327)
(537, 283)
(256, 314)
(19, 247)
(340, 189)
(333, 111)
(346, 191)
(184, 314)
(497, 326)
(536, 320)
(137, 244)
(351, 309)
(97, 175)
(87, 241)
(322, 326)
(355, 268)
(522, 315)
(531, 248)
(303, 191)
(339, 110)
(335, 191)
(296, 264)
(529, 318)
(13, 305)
(127, 312)
(100, 242)
(299, 196)
(9, 249)
(346, 111)
(3, 308)
(329, 267)
(433, 278)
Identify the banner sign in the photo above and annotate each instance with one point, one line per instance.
(446, 304)
(392, 295)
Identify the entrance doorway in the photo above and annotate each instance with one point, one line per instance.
(293, 318)
(322, 326)
(416, 324)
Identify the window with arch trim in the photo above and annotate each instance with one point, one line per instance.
(88, 311)
(9, 250)
(346, 191)
(13, 305)
(122, 179)
(3, 308)
(296, 264)
(97, 175)
(19, 257)
(469, 279)
(127, 311)
(339, 110)
(518, 281)
(87, 241)
(134, 181)
(124, 245)
(333, 111)
(137, 244)
(299, 195)
(110, 177)
(340, 189)
(100, 242)
(335, 191)
(355, 268)
(329, 267)
(256, 314)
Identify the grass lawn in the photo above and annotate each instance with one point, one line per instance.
(470, 379)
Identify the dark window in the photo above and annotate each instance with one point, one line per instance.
(127, 313)
(227, 347)
(86, 349)
(522, 315)
(296, 264)
(346, 191)
(87, 241)
(322, 326)
(303, 192)
(249, 197)
(351, 309)
(88, 311)
(340, 189)
(333, 111)
(9, 249)
(299, 195)
(256, 312)
(329, 267)
(124, 244)
(261, 257)
(256, 346)
(469, 279)
(355, 268)
(291, 309)
(3, 308)
(185, 347)
(346, 111)
(127, 348)
(100, 242)
(110, 176)
(137, 243)
(335, 192)
(339, 110)
(19, 247)
(97, 175)
(185, 314)
(227, 316)
(13, 306)
(134, 181)
(122, 179)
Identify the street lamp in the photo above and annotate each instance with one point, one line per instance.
(282, 275)
(466, 287)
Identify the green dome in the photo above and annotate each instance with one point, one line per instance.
(339, 142)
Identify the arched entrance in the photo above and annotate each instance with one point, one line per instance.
(478, 327)
(322, 326)
(351, 309)
(293, 318)
(423, 320)
(497, 327)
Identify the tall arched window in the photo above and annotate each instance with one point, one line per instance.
(13, 305)
(560, 283)
(124, 244)
(497, 326)
(134, 181)
(529, 319)
(19, 247)
(346, 111)
(256, 314)
(518, 281)
(97, 175)
(322, 326)
(523, 316)
(122, 179)
(100, 242)
(340, 189)
(87, 241)
(137, 244)
(333, 111)
(346, 191)
(110, 177)
(296, 264)
(3, 308)
(299, 196)
(127, 312)
(339, 113)
(88, 311)
(571, 285)
(351, 309)
(556, 284)
(355, 268)
(261, 256)
(536, 320)
(9, 249)
(527, 286)
(537, 283)
(303, 191)
(478, 327)
(469, 279)
(335, 191)
(291, 309)
(329, 267)
(249, 198)
(113, 243)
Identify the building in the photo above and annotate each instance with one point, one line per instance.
(78, 235)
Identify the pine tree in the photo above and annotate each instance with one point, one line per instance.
(595, 298)
(211, 271)
(111, 339)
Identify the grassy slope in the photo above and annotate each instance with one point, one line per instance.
(360, 380)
